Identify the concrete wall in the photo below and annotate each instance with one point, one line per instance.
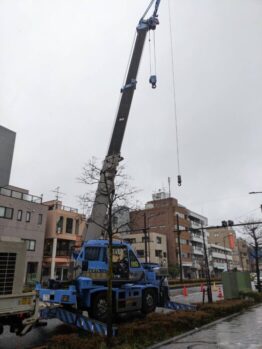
(7, 143)
(25, 230)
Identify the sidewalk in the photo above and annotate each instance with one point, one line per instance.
(241, 331)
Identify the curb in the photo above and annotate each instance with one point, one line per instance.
(195, 330)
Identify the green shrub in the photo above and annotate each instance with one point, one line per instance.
(224, 308)
(256, 296)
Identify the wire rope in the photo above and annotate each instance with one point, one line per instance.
(174, 92)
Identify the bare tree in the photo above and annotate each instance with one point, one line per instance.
(110, 192)
(254, 233)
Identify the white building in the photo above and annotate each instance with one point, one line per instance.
(197, 242)
(155, 247)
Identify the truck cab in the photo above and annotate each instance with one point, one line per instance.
(126, 266)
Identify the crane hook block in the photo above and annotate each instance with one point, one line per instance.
(179, 180)
(153, 80)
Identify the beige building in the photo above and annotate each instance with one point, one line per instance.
(23, 216)
(155, 246)
(64, 230)
(226, 237)
(243, 254)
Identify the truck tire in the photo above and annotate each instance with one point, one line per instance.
(148, 301)
(99, 308)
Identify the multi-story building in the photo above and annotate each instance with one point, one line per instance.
(198, 238)
(151, 247)
(23, 216)
(220, 258)
(226, 237)
(64, 230)
(243, 254)
(165, 216)
(7, 141)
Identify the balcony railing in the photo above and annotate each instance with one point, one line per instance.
(21, 196)
(59, 253)
(63, 253)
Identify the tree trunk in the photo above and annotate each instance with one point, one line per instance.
(109, 290)
(257, 266)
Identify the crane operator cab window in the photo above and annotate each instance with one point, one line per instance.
(126, 265)
(120, 263)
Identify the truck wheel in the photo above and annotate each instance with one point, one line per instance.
(148, 301)
(99, 308)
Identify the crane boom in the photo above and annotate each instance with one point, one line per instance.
(110, 164)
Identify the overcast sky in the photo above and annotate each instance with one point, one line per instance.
(62, 64)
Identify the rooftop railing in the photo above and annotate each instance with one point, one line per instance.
(21, 196)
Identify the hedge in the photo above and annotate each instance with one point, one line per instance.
(155, 327)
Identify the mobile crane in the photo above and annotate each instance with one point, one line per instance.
(135, 288)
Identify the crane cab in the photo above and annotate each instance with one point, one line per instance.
(95, 262)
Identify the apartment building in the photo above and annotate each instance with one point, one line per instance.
(64, 230)
(243, 254)
(23, 216)
(149, 247)
(226, 237)
(198, 221)
(221, 259)
(165, 216)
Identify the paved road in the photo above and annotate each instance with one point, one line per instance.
(241, 332)
(194, 295)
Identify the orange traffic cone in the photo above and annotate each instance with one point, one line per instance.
(185, 294)
(201, 288)
(220, 294)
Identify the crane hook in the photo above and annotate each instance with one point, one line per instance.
(153, 80)
(179, 180)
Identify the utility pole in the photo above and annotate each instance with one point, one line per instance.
(209, 290)
(179, 249)
(145, 237)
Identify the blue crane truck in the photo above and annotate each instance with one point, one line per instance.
(134, 287)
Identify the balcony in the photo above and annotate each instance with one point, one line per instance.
(221, 266)
(63, 253)
(197, 238)
(21, 196)
(197, 250)
(221, 256)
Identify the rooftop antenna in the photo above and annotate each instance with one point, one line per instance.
(58, 193)
(169, 190)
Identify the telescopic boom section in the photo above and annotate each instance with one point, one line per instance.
(108, 172)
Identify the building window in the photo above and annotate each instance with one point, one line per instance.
(158, 240)
(59, 225)
(140, 253)
(28, 216)
(19, 215)
(145, 238)
(158, 253)
(131, 241)
(164, 254)
(30, 245)
(31, 272)
(40, 219)
(6, 212)
(69, 225)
